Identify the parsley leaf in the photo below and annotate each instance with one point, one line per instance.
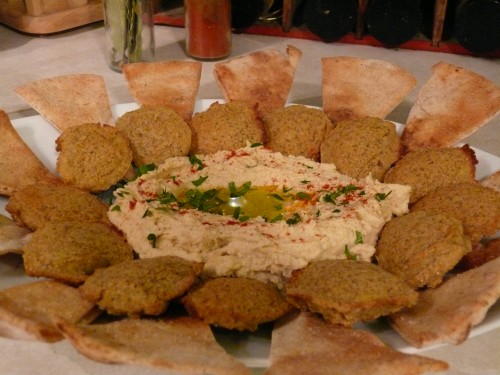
(238, 192)
(294, 220)
(348, 254)
(199, 181)
(152, 239)
(143, 169)
(196, 162)
(381, 196)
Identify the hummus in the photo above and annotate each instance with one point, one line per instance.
(254, 212)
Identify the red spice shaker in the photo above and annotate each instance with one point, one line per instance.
(208, 28)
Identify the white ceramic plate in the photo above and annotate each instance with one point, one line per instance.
(252, 349)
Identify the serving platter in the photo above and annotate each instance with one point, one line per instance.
(251, 348)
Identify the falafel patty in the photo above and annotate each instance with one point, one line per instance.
(363, 146)
(421, 247)
(155, 134)
(140, 286)
(297, 130)
(225, 126)
(236, 303)
(71, 251)
(42, 203)
(475, 205)
(429, 168)
(92, 156)
(329, 288)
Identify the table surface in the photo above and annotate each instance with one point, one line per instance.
(24, 58)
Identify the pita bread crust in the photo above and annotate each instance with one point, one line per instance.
(261, 79)
(27, 311)
(174, 84)
(19, 166)
(303, 343)
(69, 100)
(450, 106)
(446, 314)
(191, 347)
(492, 181)
(355, 87)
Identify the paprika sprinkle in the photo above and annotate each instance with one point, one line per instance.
(208, 28)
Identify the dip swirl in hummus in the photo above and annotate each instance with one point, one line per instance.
(254, 213)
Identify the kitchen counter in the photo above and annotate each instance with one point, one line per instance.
(24, 58)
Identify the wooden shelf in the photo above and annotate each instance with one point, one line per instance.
(49, 16)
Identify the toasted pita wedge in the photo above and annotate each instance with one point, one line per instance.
(492, 181)
(354, 87)
(27, 311)
(69, 100)
(12, 236)
(19, 166)
(446, 314)
(451, 105)
(183, 345)
(262, 78)
(173, 84)
(304, 344)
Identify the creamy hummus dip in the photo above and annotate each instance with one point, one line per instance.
(254, 212)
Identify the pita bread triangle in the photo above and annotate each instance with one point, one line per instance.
(19, 166)
(440, 317)
(452, 104)
(303, 343)
(69, 100)
(182, 345)
(354, 87)
(262, 78)
(173, 84)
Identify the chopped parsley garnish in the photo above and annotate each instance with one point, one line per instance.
(348, 254)
(166, 197)
(277, 196)
(303, 196)
(359, 237)
(195, 161)
(238, 192)
(147, 213)
(236, 213)
(253, 145)
(116, 208)
(344, 190)
(305, 181)
(286, 190)
(243, 218)
(294, 220)
(381, 196)
(277, 218)
(152, 239)
(143, 169)
(199, 181)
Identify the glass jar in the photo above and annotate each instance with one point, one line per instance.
(129, 31)
(208, 28)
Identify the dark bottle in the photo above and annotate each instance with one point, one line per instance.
(477, 25)
(330, 19)
(393, 22)
(244, 13)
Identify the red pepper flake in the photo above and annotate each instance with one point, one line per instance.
(132, 204)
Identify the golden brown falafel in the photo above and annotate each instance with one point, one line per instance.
(92, 156)
(155, 134)
(140, 286)
(38, 204)
(347, 291)
(225, 126)
(236, 303)
(297, 130)
(363, 146)
(71, 251)
(476, 206)
(429, 168)
(421, 247)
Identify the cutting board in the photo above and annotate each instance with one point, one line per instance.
(49, 16)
